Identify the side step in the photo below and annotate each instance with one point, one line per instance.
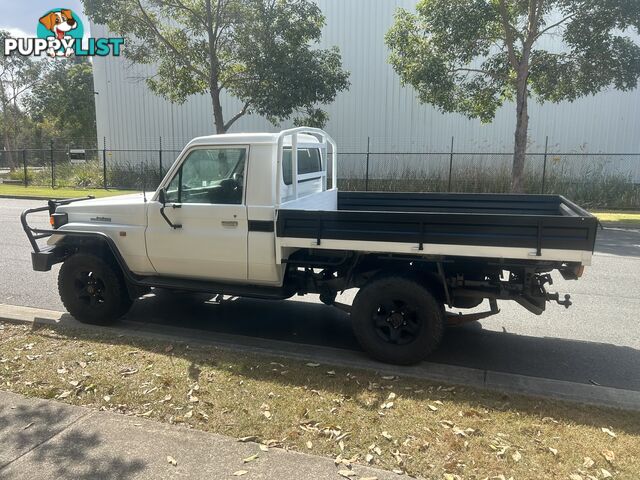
(254, 291)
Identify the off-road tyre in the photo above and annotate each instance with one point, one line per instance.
(93, 289)
(397, 320)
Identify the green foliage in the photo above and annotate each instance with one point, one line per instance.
(464, 55)
(262, 52)
(65, 101)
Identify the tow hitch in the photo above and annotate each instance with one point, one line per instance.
(555, 297)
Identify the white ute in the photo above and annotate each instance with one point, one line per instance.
(260, 215)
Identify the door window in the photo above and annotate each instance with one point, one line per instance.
(309, 161)
(214, 176)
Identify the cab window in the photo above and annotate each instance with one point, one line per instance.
(214, 176)
(309, 161)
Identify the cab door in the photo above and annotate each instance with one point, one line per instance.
(205, 197)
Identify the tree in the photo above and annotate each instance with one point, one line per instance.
(470, 56)
(18, 75)
(67, 104)
(259, 51)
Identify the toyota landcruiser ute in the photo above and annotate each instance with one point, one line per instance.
(260, 215)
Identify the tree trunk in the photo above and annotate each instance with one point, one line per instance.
(522, 125)
(218, 115)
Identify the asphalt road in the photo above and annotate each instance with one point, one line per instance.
(596, 341)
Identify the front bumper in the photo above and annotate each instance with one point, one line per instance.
(43, 260)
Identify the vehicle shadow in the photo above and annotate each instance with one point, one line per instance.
(24, 429)
(469, 346)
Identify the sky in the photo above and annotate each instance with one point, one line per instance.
(20, 17)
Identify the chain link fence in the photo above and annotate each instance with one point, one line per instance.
(595, 180)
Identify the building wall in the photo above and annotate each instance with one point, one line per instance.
(376, 106)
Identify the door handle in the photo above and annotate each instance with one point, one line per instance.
(229, 223)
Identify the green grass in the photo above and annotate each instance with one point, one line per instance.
(48, 192)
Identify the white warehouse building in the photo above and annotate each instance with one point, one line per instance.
(129, 116)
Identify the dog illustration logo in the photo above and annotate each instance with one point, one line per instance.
(62, 24)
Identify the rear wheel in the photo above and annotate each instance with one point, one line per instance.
(93, 290)
(397, 320)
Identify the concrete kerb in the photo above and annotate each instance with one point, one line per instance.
(491, 380)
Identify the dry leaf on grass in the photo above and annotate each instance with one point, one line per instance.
(368, 458)
(386, 435)
(251, 438)
(554, 451)
(517, 456)
(64, 394)
(609, 455)
(605, 473)
(309, 445)
(609, 432)
(172, 460)
(264, 448)
(432, 408)
(239, 473)
(588, 462)
(575, 476)
(313, 365)
(250, 459)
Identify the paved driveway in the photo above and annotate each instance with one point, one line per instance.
(596, 341)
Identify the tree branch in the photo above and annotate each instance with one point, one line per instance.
(509, 34)
(233, 119)
(164, 40)
(551, 27)
(476, 70)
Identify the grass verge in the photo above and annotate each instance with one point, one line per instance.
(627, 218)
(408, 425)
(48, 192)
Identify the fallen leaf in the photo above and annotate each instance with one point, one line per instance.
(64, 394)
(575, 476)
(368, 458)
(239, 473)
(432, 408)
(62, 371)
(189, 414)
(313, 365)
(386, 435)
(397, 471)
(309, 445)
(251, 438)
(392, 396)
(267, 414)
(347, 473)
(378, 451)
(172, 460)
(368, 478)
(250, 459)
(517, 456)
(389, 377)
(609, 456)
(264, 448)
(588, 462)
(609, 432)
(106, 398)
(605, 473)
(553, 450)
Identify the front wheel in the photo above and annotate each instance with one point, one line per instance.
(397, 320)
(92, 290)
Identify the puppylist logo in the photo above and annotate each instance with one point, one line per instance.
(60, 33)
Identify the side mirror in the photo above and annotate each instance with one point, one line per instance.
(162, 196)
